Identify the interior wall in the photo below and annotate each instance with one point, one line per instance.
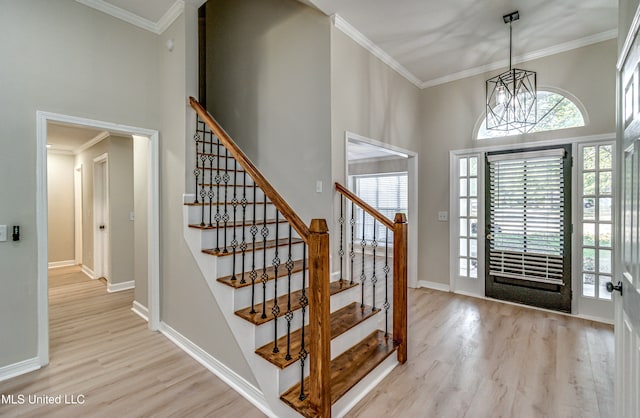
(386, 165)
(626, 13)
(64, 57)
(450, 112)
(186, 300)
(120, 207)
(60, 185)
(140, 199)
(268, 84)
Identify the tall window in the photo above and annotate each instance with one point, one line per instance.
(596, 208)
(388, 193)
(555, 111)
(468, 217)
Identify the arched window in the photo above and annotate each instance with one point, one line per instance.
(555, 111)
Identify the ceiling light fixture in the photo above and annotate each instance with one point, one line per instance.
(511, 96)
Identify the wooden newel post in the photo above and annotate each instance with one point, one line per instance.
(400, 285)
(319, 312)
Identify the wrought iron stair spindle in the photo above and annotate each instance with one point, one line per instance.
(218, 216)
(304, 301)
(225, 215)
(203, 166)
(234, 204)
(196, 170)
(341, 251)
(374, 279)
(363, 244)
(253, 275)
(276, 309)
(386, 270)
(352, 253)
(212, 157)
(265, 276)
(243, 245)
(289, 315)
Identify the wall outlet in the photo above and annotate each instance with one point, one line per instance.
(3, 233)
(443, 216)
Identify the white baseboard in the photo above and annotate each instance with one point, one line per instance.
(88, 272)
(237, 382)
(140, 310)
(64, 263)
(434, 285)
(119, 287)
(17, 369)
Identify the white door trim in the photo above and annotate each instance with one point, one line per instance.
(412, 168)
(42, 118)
(77, 215)
(101, 255)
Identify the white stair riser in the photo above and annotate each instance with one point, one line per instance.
(242, 296)
(225, 263)
(212, 238)
(195, 212)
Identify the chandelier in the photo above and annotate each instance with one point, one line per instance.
(511, 96)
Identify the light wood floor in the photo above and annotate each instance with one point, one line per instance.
(467, 358)
(102, 350)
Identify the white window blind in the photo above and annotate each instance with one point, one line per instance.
(388, 193)
(527, 216)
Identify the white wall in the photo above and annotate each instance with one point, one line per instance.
(60, 172)
(449, 113)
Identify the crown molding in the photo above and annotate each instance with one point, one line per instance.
(156, 27)
(541, 53)
(366, 43)
(102, 135)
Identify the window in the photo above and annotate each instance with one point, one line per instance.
(468, 217)
(596, 188)
(388, 193)
(555, 111)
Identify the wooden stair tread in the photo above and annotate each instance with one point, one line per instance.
(346, 371)
(341, 321)
(238, 223)
(257, 319)
(259, 245)
(282, 272)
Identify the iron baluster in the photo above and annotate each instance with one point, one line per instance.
(253, 275)
(203, 166)
(341, 251)
(234, 204)
(289, 315)
(225, 215)
(363, 244)
(386, 284)
(374, 279)
(196, 170)
(352, 253)
(211, 194)
(304, 301)
(265, 276)
(276, 308)
(243, 245)
(218, 217)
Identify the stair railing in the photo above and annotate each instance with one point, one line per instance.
(220, 172)
(367, 229)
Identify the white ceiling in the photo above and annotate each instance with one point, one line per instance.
(70, 138)
(434, 41)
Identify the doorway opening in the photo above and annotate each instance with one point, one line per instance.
(77, 230)
(386, 177)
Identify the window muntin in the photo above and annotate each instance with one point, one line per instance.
(467, 217)
(555, 111)
(596, 200)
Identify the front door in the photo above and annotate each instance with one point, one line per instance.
(627, 299)
(528, 225)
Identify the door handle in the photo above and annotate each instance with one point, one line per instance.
(611, 287)
(101, 226)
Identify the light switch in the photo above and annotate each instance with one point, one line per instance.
(318, 186)
(443, 216)
(3, 233)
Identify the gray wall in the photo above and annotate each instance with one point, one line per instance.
(449, 113)
(386, 165)
(268, 84)
(64, 57)
(626, 13)
(60, 172)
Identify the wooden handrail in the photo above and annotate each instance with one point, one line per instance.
(244, 161)
(365, 206)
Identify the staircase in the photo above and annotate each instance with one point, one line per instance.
(316, 345)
